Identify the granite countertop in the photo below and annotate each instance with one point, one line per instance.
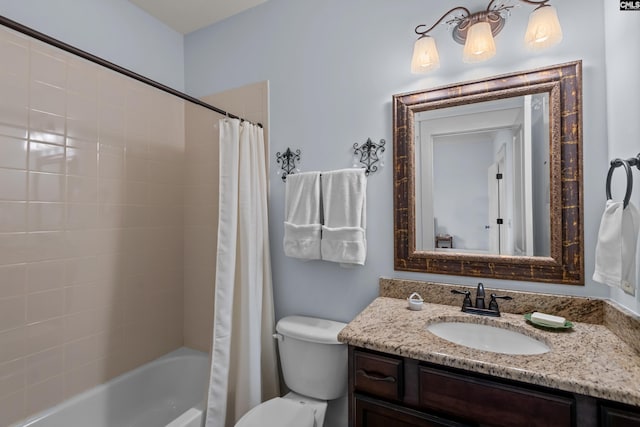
(588, 359)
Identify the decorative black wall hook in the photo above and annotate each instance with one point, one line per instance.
(370, 154)
(288, 160)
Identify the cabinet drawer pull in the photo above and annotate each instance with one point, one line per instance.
(375, 376)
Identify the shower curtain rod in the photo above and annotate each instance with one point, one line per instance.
(110, 65)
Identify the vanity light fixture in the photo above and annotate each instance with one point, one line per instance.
(476, 32)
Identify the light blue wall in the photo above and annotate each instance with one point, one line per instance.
(623, 87)
(333, 66)
(115, 30)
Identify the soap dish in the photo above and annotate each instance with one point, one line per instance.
(567, 324)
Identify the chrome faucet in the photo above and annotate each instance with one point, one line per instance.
(479, 308)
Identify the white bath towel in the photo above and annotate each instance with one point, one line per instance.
(344, 207)
(302, 228)
(616, 247)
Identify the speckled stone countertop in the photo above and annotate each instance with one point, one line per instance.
(588, 359)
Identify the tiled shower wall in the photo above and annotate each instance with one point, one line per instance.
(201, 202)
(91, 225)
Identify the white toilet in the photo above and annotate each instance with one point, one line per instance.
(314, 365)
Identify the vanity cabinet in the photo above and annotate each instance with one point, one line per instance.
(387, 390)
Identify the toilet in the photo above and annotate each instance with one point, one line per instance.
(314, 366)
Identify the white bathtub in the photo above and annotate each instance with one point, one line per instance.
(168, 391)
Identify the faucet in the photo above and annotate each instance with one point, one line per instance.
(480, 296)
(479, 308)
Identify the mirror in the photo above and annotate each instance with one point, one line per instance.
(482, 177)
(488, 177)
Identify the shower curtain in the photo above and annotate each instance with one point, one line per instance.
(244, 369)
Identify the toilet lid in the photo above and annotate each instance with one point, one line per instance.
(278, 412)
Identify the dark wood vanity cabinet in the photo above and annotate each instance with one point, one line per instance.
(391, 391)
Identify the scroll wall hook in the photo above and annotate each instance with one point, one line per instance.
(288, 161)
(369, 154)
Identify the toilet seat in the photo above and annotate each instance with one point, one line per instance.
(279, 412)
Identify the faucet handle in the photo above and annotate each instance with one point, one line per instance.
(467, 297)
(493, 304)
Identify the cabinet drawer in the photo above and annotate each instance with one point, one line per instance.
(492, 403)
(616, 417)
(378, 375)
(372, 412)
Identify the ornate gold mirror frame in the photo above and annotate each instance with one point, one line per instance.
(565, 264)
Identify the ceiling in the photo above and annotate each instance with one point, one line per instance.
(186, 16)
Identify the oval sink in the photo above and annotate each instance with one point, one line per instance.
(488, 338)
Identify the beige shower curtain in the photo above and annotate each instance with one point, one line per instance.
(244, 369)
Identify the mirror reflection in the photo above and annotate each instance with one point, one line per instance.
(482, 177)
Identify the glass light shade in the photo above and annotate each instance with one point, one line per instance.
(544, 28)
(425, 55)
(479, 45)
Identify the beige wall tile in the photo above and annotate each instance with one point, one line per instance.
(82, 77)
(45, 305)
(46, 127)
(41, 366)
(45, 187)
(13, 217)
(48, 67)
(12, 344)
(12, 407)
(45, 394)
(47, 99)
(12, 312)
(14, 248)
(12, 280)
(13, 185)
(13, 153)
(46, 245)
(15, 55)
(12, 377)
(85, 377)
(91, 226)
(45, 275)
(82, 161)
(43, 335)
(80, 352)
(46, 216)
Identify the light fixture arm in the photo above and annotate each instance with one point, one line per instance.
(424, 33)
(540, 4)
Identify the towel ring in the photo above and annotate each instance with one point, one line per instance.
(614, 164)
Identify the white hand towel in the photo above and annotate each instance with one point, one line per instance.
(344, 207)
(302, 228)
(616, 247)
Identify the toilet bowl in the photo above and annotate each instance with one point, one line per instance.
(292, 410)
(314, 367)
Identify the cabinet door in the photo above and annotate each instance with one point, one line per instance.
(376, 413)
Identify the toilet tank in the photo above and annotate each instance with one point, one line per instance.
(313, 362)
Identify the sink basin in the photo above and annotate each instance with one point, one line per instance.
(488, 338)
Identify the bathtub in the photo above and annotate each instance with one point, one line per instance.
(168, 391)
